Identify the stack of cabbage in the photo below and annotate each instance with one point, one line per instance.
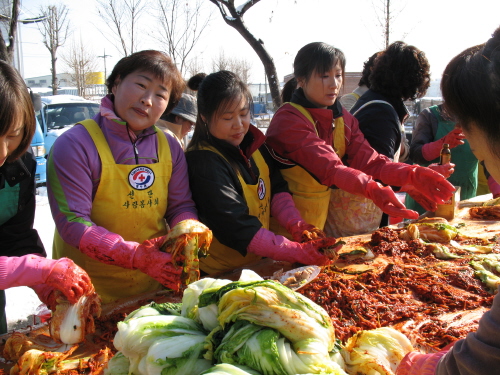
(224, 327)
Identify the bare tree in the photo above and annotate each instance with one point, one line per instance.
(181, 25)
(385, 17)
(233, 16)
(240, 67)
(82, 64)
(121, 18)
(8, 16)
(55, 31)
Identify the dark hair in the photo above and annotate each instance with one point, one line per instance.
(367, 70)
(195, 81)
(216, 92)
(16, 105)
(317, 57)
(151, 61)
(288, 89)
(471, 89)
(401, 71)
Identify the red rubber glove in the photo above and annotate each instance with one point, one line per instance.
(69, 278)
(284, 210)
(454, 138)
(386, 200)
(429, 183)
(110, 248)
(446, 170)
(432, 150)
(426, 203)
(416, 363)
(267, 244)
(46, 295)
(157, 264)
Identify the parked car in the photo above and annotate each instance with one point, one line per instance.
(58, 113)
(38, 148)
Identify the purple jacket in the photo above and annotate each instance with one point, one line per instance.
(75, 168)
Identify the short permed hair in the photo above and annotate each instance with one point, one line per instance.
(402, 72)
(155, 62)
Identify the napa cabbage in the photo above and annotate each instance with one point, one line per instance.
(229, 369)
(167, 308)
(117, 365)
(303, 327)
(207, 315)
(135, 336)
(377, 351)
(175, 355)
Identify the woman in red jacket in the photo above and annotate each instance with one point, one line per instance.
(321, 147)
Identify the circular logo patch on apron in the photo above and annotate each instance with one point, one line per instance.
(261, 189)
(141, 178)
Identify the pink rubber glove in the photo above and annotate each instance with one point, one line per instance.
(267, 244)
(31, 270)
(284, 210)
(386, 200)
(494, 187)
(432, 150)
(445, 170)
(416, 363)
(110, 248)
(429, 183)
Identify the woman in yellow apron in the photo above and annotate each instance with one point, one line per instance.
(115, 182)
(305, 136)
(236, 186)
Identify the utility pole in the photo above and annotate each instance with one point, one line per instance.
(104, 57)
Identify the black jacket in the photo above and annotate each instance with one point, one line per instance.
(218, 193)
(378, 122)
(17, 236)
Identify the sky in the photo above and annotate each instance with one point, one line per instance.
(440, 28)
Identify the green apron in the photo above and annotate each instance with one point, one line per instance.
(465, 174)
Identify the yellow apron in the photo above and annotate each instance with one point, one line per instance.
(311, 198)
(222, 258)
(131, 200)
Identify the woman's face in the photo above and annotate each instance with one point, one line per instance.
(10, 141)
(186, 125)
(481, 149)
(231, 125)
(323, 89)
(140, 99)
